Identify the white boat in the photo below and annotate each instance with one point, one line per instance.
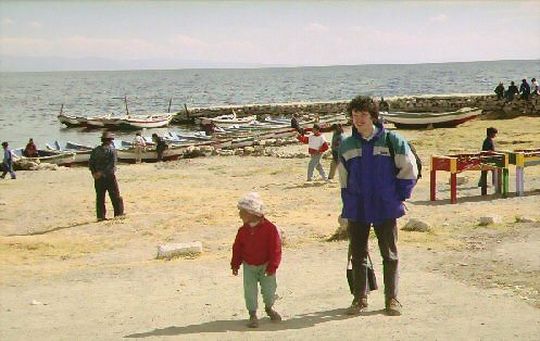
(149, 121)
(72, 120)
(47, 156)
(226, 121)
(408, 120)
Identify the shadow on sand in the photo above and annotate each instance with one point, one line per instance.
(221, 326)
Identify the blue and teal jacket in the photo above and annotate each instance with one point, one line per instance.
(373, 185)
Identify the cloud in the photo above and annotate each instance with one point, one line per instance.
(36, 25)
(186, 41)
(316, 28)
(441, 18)
(7, 21)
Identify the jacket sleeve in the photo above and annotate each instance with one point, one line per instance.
(274, 252)
(324, 147)
(303, 138)
(407, 170)
(236, 259)
(92, 161)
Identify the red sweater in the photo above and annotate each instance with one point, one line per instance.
(257, 245)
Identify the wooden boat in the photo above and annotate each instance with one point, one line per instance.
(82, 152)
(225, 121)
(72, 120)
(149, 121)
(47, 156)
(409, 120)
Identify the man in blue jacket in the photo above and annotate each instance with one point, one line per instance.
(373, 187)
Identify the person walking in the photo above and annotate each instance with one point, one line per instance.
(337, 139)
(374, 186)
(140, 145)
(317, 145)
(7, 162)
(102, 164)
(257, 247)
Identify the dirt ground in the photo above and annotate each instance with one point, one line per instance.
(63, 276)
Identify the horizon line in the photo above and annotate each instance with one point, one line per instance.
(267, 66)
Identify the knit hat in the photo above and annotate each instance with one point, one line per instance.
(252, 203)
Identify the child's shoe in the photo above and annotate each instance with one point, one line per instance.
(253, 320)
(274, 315)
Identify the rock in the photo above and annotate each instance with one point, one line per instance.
(524, 219)
(488, 220)
(416, 225)
(179, 249)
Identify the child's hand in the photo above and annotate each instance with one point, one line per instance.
(235, 272)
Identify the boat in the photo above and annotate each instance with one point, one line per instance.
(82, 152)
(149, 121)
(410, 120)
(71, 120)
(226, 121)
(47, 156)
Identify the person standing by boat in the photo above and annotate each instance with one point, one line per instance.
(7, 162)
(160, 146)
(337, 139)
(499, 90)
(102, 164)
(317, 146)
(374, 185)
(140, 145)
(30, 150)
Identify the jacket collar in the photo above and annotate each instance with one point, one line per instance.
(379, 131)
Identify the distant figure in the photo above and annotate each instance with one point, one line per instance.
(7, 162)
(511, 92)
(499, 90)
(294, 122)
(524, 89)
(208, 126)
(488, 145)
(337, 138)
(161, 146)
(383, 105)
(140, 146)
(257, 247)
(535, 89)
(317, 146)
(30, 150)
(102, 164)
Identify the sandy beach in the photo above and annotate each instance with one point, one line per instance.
(64, 276)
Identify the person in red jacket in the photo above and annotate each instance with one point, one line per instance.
(317, 145)
(257, 247)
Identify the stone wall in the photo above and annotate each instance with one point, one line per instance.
(436, 103)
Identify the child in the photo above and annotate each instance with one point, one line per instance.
(317, 146)
(258, 248)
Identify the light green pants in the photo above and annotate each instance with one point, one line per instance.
(253, 274)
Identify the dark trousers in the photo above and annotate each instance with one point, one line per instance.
(103, 185)
(386, 233)
(7, 167)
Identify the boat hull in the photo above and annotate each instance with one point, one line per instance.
(403, 120)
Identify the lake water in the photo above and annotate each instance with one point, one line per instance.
(29, 102)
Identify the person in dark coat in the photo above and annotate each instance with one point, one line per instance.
(499, 90)
(160, 146)
(488, 146)
(525, 89)
(511, 92)
(102, 164)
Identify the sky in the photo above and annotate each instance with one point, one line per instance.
(104, 35)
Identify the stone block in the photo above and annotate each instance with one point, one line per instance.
(168, 251)
(489, 220)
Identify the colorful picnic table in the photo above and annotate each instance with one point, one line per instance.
(457, 163)
(522, 158)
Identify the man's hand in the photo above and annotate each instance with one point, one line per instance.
(235, 272)
(96, 175)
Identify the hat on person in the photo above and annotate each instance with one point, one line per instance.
(107, 135)
(252, 203)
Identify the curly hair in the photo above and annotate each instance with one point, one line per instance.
(364, 103)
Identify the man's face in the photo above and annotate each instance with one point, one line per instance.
(361, 120)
